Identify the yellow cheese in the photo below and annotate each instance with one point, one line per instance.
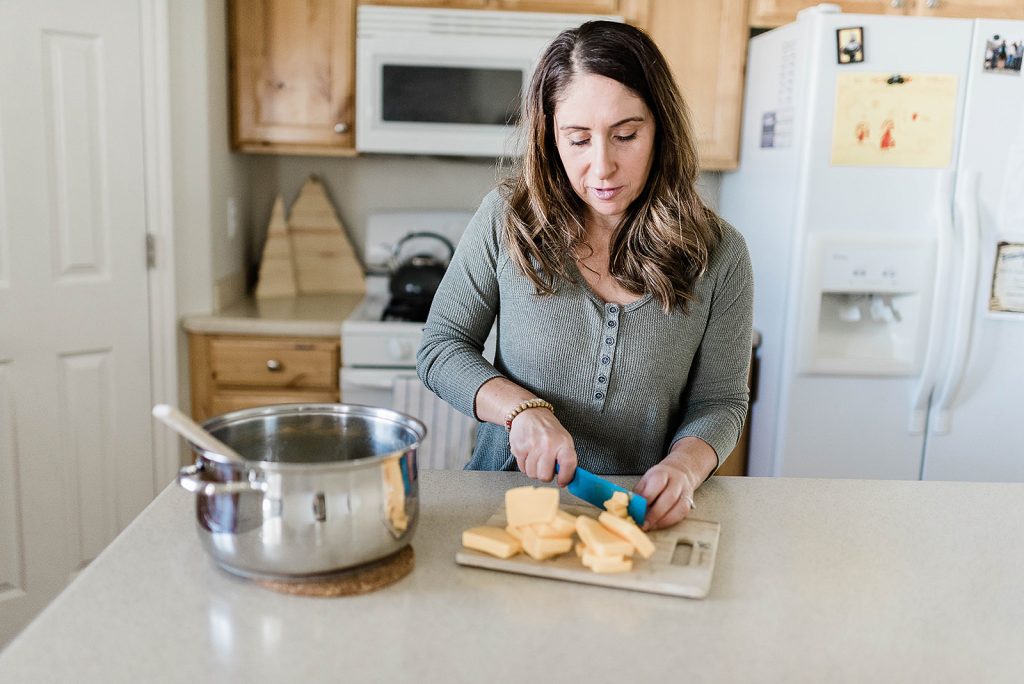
(492, 540)
(618, 504)
(599, 540)
(628, 530)
(529, 505)
(581, 548)
(562, 525)
(542, 548)
(515, 532)
(606, 564)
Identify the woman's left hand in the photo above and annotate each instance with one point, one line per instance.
(668, 491)
(669, 486)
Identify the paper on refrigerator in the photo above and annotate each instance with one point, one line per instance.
(887, 120)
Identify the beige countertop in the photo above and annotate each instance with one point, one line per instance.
(815, 581)
(301, 316)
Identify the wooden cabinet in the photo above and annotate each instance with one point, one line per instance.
(632, 11)
(705, 43)
(231, 372)
(769, 13)
(293, 76)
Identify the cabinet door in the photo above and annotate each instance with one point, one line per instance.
(769, 13)
(633, 11)
(293, 75)
(705, 43)
(969, 9)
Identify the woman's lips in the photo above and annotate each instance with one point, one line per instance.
(605, 193)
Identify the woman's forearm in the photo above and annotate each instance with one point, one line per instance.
(497, 397)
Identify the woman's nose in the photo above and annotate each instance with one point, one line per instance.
(603, 162)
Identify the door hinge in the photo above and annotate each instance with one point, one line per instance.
(150, 251)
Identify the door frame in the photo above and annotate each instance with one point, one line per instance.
(163, 317)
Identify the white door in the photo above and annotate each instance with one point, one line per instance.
(76, 460)
(975, 433)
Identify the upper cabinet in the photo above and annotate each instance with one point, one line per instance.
(293, 76)
(769, 13)
(705, 43)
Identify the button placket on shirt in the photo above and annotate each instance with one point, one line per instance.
(606, 354)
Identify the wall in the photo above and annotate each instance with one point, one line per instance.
(370, 183)
(205, 172)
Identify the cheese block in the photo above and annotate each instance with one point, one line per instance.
(628, 530)
(542, 548)
(515, 532)
(529, 505)
(599, 540)
(562, 525)
(581, 548)
(608, 564)
(618, 504)
(492, 540)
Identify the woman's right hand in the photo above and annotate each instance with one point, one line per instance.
(538, 441)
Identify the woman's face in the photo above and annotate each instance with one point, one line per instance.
(605, 139)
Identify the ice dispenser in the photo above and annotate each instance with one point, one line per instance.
(866, 306)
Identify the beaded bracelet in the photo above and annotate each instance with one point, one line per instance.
(528, 404)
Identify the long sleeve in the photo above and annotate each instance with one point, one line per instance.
(717, 393)
(450, 359)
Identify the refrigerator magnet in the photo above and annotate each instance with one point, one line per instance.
(1008, 279)
(1003, 55)
(850, 45)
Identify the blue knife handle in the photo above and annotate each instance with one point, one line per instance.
(595, 490)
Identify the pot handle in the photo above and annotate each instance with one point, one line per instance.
(190, 480)
(396, 250)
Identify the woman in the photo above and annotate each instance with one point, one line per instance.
(623, 304)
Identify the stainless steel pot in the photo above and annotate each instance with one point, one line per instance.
(325, 487)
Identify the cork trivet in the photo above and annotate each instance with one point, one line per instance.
(362, 580)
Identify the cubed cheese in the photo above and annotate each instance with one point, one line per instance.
(542, 548)
(628, 530)
(529, 505)
(562, 525)
(515, 532)
(581, 548)
(492, 540)
(618, 504)
(599, 540)
(607, 564)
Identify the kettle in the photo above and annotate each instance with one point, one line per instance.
(416, 279)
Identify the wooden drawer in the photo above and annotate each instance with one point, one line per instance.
(272, 363)
(225, 402)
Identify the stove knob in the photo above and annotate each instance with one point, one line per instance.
(400, 350)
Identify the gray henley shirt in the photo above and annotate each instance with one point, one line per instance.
(626, 381)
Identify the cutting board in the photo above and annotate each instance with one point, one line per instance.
(682, 563)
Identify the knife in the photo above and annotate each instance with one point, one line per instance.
(596, 490)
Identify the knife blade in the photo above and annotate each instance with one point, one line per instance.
(595, 490)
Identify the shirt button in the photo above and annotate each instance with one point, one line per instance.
(601, 379)
(613, 308)
(599, 395)
(611, 324)
(608, 340)
(605, 360)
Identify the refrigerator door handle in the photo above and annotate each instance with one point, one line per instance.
(943, 208)
(967, 209)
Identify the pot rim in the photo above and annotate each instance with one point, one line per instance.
(403, 419)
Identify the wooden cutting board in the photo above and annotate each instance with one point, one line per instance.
(681, 565)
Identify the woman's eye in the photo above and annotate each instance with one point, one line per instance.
(626, 138)
(577, 143)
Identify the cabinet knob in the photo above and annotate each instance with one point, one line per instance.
(341, 127)
(896, 4)
(931, 4)
(273, 365)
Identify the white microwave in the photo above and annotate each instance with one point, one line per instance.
(446, 82)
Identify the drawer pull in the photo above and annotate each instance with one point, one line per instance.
(273, 365)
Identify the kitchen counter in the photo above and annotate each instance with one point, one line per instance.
(815, 580)
(300, 316)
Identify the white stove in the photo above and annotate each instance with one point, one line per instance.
(378, 357)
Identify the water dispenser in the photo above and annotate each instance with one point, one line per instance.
(866, 305)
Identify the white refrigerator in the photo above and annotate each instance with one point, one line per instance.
(881, 194)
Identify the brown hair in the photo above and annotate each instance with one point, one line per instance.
(666, 236)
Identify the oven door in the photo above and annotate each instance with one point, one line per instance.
(450, 434)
